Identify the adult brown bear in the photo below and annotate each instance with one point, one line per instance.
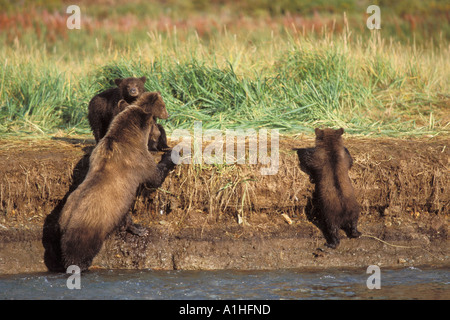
(118, 164)
(103, 107)
(333, 203)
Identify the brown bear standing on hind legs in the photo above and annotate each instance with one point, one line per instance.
(334, 203)
(117, 166)
(104, 107)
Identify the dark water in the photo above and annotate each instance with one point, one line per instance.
(407, 283)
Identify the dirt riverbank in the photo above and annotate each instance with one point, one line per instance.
(231, 216)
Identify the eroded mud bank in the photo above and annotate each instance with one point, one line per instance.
(230, 216)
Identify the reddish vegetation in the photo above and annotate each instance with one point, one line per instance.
(49, 26)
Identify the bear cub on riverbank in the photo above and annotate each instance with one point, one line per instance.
(334, 201)
(151, 101)
(104, 107)
(117, 166)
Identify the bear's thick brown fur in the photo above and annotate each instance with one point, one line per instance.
(152, 101)
(117, 166)
(334, 201)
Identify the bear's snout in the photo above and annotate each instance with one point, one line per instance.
(165, 115)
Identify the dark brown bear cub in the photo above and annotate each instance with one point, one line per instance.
(148, 101)
(117, 166)
(334, 202)
(104, 106)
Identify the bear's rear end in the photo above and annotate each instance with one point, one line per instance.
(335, 205)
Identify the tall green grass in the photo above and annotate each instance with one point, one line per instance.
(291, 83)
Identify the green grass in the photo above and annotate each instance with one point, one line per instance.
(370, 85)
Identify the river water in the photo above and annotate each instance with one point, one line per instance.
(405, 283)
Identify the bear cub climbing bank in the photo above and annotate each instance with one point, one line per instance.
(117, 166)
(334, 204)
(105, 106)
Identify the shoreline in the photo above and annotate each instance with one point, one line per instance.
(289, 249)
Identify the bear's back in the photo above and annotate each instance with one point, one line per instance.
(332, 164)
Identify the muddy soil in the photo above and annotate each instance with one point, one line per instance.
(231, 216)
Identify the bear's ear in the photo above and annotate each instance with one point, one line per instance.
(319, 133)
(340, 131)
(143, 79)
(118, 82)
(122, 104)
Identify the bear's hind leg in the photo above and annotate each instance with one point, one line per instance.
(351, 226)
(331, 234)
(352, 231)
